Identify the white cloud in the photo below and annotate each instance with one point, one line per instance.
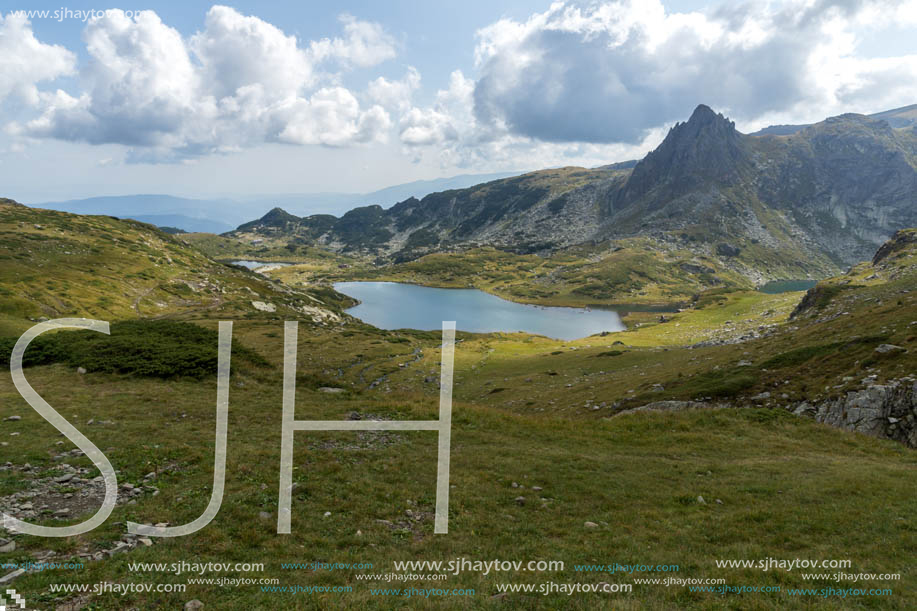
(365, 44)
(449, 120)
(395, 95)
(238, 51)
(25, 61)
(581, 84)
(237, 83)
(450, 130)
(332, 116)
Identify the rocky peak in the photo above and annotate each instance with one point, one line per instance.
(276, 217)
(706, 148)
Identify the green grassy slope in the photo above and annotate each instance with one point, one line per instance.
(56, 264)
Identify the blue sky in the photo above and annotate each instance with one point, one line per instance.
(196, 99)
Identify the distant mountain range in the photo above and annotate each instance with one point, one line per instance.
(809, 202)
(905, 116)
(221, 215)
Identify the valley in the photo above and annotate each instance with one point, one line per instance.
(721, 422)
(726, 375)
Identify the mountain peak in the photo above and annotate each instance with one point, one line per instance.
(704, 116)
(703, 113)
(278, 215)
(706, 148)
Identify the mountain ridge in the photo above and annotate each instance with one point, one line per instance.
(806, 204)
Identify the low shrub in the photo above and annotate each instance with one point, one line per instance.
(147, 348)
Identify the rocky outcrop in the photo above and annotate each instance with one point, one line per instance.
(900, 241)
(888, 411)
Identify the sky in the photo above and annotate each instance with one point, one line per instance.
(207, 100)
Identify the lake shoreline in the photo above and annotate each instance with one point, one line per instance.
(394, 305)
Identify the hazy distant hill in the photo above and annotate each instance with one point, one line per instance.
(220, 215)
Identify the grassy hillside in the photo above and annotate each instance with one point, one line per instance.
(56, 264)
(542, 468)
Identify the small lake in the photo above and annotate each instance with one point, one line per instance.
(392, 305)
(786, 286)
(256, 265)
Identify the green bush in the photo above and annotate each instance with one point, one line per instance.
(148, 348)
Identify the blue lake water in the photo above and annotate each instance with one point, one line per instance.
(392, 305)
(786, 286)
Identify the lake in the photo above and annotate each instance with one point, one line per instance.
(786, 286)
(392, 305)
(259, 265)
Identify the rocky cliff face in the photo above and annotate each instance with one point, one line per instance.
(705, 150)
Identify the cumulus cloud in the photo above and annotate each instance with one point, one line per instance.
(450, 129)
(237, 83)
(395, 95)
(576, 83)
(364, 44)
(25, 61)
(615, 71)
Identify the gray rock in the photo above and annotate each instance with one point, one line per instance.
(64, 478)
(520, 500)
(762, 396)
(81, 370)
(13, 419)
(11, 576)
(264, 515)
(590, 525)
(701, 500)
(886, 348)
(331, 390)
(264, 306)
(886, 410)
(7, 546)
(193, 605)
